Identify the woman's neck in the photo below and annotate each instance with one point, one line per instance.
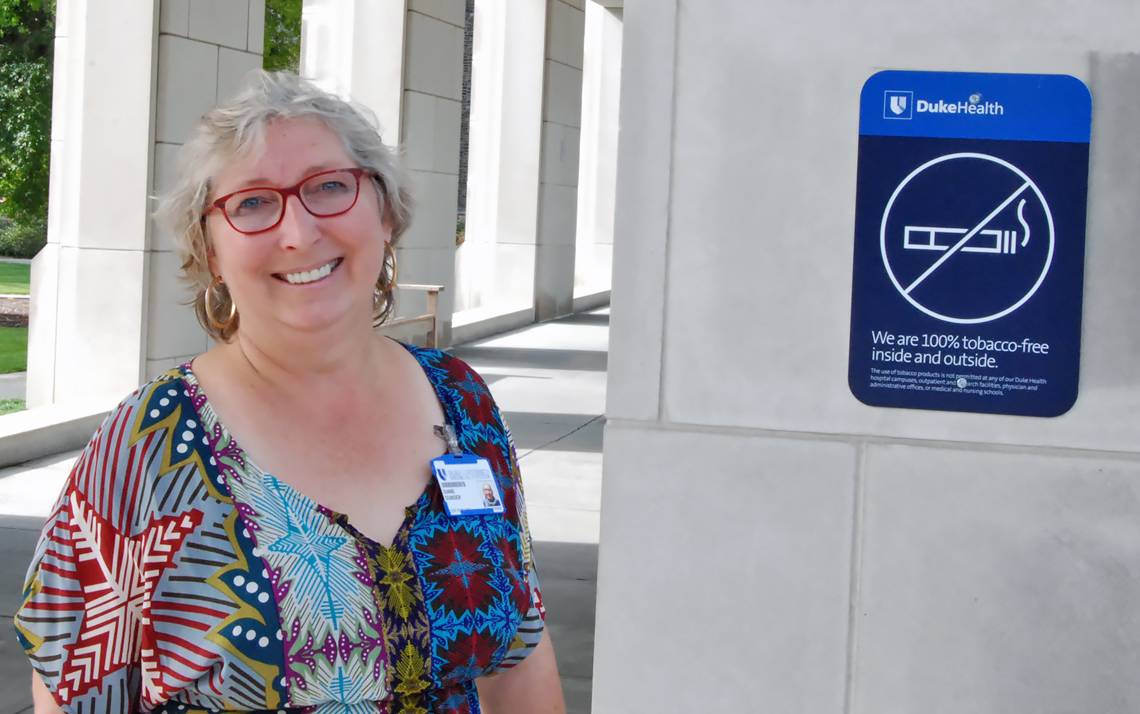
(308, 363)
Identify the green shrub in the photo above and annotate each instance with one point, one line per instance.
(7, 406)
(27, 30)
(22, 240)
(282, 35)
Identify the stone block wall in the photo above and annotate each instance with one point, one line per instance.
(769, 543)
(205, 50)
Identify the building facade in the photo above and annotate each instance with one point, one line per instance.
(768, 542)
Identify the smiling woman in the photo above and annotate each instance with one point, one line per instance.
(310, 263)
(280, 486)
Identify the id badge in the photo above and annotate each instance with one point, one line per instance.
(468, 485)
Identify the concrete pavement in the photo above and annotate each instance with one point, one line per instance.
(13, 385)
(550, 382)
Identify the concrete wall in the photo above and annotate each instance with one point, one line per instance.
(768, 542)
(205, 49)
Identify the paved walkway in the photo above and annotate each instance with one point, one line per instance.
(13, 385)
(550, 382)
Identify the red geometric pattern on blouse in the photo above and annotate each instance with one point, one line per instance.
(460, 569)
(119, 576)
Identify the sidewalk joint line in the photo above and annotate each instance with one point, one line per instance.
(568, 434)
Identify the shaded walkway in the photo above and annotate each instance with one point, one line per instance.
(549, 379)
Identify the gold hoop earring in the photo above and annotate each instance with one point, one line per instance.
(390, 257)
(386, 281)
(219, 325)
(385, 285)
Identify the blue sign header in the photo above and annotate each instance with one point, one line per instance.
(963, 105)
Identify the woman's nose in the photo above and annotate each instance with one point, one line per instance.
(298, 227)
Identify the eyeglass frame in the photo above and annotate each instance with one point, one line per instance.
(294, 190)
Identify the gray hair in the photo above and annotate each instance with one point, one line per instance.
(236, 129)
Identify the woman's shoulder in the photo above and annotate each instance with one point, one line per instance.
(448, 368)
(148, 404)
(461, 389)
(137, 431)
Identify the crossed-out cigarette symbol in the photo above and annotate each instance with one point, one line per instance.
(990, 240)
(952, 240)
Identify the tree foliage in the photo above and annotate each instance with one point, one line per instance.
(282, 35)
(26, 41)
(27, 29)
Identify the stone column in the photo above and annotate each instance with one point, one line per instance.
(558, 187)
(597, 174)
(496, 263)
(865, 559)
(433, 90)
(130, 78)
(205, 49)
(355, 48)
(404, 61)
(87, 334)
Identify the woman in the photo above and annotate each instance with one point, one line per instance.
(238, 535)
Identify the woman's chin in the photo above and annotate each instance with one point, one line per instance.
(319, 318)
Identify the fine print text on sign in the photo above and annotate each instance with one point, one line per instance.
(969, 242)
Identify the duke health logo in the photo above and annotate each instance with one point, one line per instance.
(898, 104)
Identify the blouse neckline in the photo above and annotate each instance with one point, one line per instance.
(210, 420)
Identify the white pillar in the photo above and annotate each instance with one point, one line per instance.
(356, 49)
(597, 176)
(496, 263)
(130, 79)
(88, 320)
(404, 61)
(558, 188)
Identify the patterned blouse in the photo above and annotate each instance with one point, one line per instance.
(174, 575)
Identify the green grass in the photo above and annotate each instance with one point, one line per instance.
(14, 278)
(13, 349)
(7, 406)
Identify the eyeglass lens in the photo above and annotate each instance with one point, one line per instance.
(323, 195)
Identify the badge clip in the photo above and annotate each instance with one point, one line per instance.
(447, 433)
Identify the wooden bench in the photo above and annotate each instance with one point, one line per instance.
(399, 326)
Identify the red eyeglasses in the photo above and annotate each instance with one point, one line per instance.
(261, 208)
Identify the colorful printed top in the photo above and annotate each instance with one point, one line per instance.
(175, 575)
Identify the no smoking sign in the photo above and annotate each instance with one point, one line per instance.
(969, 242)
